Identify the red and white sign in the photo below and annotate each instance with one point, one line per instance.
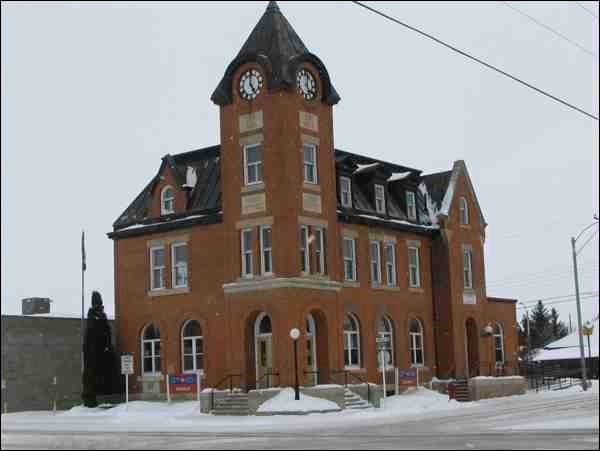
(183, 383)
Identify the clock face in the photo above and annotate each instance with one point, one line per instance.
(307, 86)
(251, 84)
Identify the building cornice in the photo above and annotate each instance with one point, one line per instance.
(271, 283)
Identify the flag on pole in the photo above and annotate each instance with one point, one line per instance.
(83, 265)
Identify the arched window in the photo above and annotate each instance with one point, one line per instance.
(464, 211)
(192, 343)
(351, 342)
(151, 350)
(263, 325)
(167, 201)
(499, 345)
(415, 333)
(385, 330)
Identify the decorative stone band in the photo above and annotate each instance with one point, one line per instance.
(250, 140)
(308, 139)
(243, 286)
(255, 222)
(413, 243)
(168, 292)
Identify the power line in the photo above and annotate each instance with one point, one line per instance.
(590, 275)
(582, 298)
(589, 11)
(543, 273)
(550, 29)
(477, 60)
(535, 301)
(588, 241)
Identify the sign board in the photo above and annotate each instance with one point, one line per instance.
(126, 364)
(382, 339)
(407, 377)
(183, 383)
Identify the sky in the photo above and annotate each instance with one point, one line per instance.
(94, 94)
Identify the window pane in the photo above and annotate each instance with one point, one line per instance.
(266, 236)
(199, 346)
(252, 174)
(188, 347)
(253, 154)
(199, 362)
(148, 365)
(157, 364)
(354, 357)
(158, 257)
(180, 254)
(188, 363)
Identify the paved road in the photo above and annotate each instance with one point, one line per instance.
(480, 427)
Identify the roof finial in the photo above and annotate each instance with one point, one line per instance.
(273, 6)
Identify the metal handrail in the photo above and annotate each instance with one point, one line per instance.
(216, 387)
(355, 376)
(268, 375)
(315, 372)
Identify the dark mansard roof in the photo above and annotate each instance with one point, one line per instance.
(204, 204)
(277, 48)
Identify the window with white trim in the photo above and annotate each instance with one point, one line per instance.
(179, 258)
(375, 263)
(411, 205)
(351, 342)
(415, 335)
(385, 330)
(380, 199)
(167, 201)
(414, 267)
(346, 192)
(253, 165)
(499, 345)
(390, 264)
(304, 250)
(310, 163)
(157, 268)
(464, 211)
(247, 257)
(151, 350)
(192, 343)
(266, 250)
(468, 267)
(320, 250)
(349, 259)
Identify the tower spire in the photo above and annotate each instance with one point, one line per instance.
(273, 6)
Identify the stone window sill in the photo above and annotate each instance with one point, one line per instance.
(350, 284)
(257, 187)
(168, 292)
(311, 187)
(416, 290)
(385, 288)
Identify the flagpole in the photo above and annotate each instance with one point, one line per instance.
(82, 296)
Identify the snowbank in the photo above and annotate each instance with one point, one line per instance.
(420, 401)
(285, 402)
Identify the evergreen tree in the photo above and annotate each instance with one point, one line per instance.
(541, 330)
(559, 329)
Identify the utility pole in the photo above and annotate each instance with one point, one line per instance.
(584, 383)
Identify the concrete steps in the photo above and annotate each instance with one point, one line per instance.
(354, 402)
(234, 404)
(462, 391)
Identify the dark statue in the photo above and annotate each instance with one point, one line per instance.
(100, 371)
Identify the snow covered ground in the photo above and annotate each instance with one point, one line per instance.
(422, 415)
(285, 402)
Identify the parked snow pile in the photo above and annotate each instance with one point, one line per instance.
(284, 403)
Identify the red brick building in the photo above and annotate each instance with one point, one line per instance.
(228, 248)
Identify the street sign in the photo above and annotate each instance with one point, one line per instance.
(126, 364)
(382, 340)
(587, 329)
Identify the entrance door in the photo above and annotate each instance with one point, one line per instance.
(264, 362)
(311, 351)
(472, 349)
(263, 346)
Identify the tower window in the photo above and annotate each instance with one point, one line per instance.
(310, 163)
(253, 165)
(464, 211)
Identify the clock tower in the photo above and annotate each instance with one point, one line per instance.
(277, 156)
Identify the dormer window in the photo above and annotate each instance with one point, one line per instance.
(464, 211)
(346, 192)
(411, 205)
(380, 199)
(167, 201)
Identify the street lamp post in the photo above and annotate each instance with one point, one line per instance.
(584, 383)
(295, 334)
(528, 332)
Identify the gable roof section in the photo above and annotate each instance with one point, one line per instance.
(205, 196)
(277, 48)
(441, 188)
